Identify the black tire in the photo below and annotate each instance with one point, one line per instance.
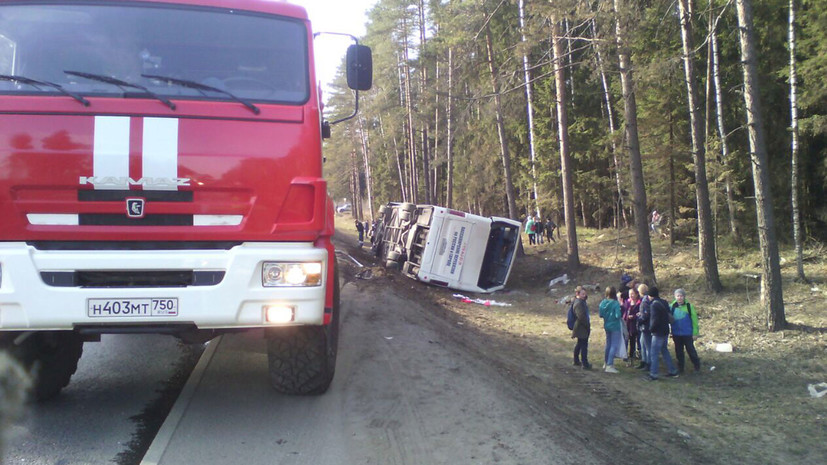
(302, 359)
(393, 255)
(51, 357)
(407, 207)
(392, 264)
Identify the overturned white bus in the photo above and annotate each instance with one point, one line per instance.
(446, 247)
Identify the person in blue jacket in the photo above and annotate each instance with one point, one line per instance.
(610, 312)
(685, 330)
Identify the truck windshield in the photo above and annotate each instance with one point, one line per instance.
(255, 57)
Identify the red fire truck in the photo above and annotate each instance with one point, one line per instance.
(162, 173)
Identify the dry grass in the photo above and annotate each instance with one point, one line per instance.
(752, 403)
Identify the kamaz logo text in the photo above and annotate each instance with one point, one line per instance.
(116, 181)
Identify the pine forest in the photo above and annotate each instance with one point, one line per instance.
(595, 114)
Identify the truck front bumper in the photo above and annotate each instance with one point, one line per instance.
(235, 298)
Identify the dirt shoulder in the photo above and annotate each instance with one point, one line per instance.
(748, 406)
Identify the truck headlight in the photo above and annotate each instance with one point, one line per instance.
(278, 274)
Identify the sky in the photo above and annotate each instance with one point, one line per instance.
(344, 16)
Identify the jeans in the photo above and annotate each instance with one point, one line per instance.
(645, 346)
(613, 341)
(582, 348)
(660, 347)
(688, 343)
(531, 239)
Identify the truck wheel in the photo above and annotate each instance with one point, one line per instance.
(407, 207)
(392, 264)
(50, 357)
(302, 359)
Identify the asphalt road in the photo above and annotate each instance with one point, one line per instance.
(404, 393)
(112, 407)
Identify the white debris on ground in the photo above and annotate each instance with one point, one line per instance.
(486, 302)
(817, 390)
(559, 280)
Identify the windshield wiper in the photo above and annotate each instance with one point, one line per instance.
(37, 83)
(202, 87)
(121, 84)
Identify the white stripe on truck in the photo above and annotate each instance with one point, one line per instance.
(111, 151)
(160, 152)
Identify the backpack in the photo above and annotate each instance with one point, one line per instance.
(571, 317)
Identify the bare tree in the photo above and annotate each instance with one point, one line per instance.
(449, 143)
(406, 70)
(706, 234)
(722, 134)
(529, 110)
(559, 55)
(795, 181)
(644, 244)
(772, 297)
(504, 151)
(607, 100)
(366, 156)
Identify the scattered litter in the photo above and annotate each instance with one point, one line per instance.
(712, 368)
(814, 289)
(389, 337)
(725, 347)
(486, 302)
(367, 273)
(817, 390)
(560, 279)
(684, 434)
(565, 299)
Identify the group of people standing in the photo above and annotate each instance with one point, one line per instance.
(639, 318)
(537, 229)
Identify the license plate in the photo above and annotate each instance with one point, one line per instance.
(132, 307)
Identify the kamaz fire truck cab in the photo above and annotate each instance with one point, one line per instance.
(162, 173)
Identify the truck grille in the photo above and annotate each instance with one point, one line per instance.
(112, 279)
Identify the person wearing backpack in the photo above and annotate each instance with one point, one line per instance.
(659, 326)
(582, 328)
(610, 312)
(685, 330)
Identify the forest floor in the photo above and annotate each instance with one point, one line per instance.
(751, 405)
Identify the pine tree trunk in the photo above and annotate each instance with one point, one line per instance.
(423, 84)
(529, 112)
(573, 254)
(772, 298)
(504, 151)
(644, 244)
(794, 181)
(706, 233)
(366, 156)
(406, 69)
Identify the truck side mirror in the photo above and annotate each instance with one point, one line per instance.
(359, 67)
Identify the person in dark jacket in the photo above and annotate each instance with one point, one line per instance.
(643, 327)
(360, 228)
(659, 326)
(685, 330)
(582, 328)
